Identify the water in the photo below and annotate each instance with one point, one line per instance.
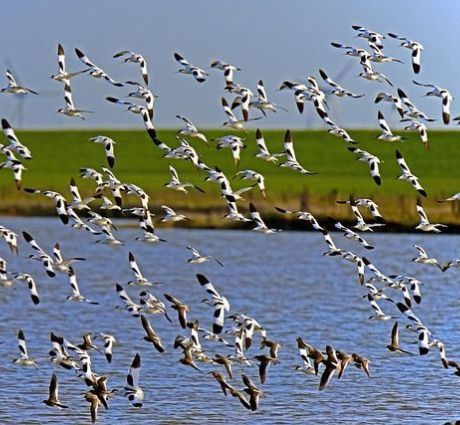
(282, 280)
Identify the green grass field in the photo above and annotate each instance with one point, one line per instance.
(58, 155)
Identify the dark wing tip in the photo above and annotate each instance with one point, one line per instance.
(202, 279)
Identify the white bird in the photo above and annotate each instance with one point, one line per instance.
(372, 162)
(424, 259)
(414, 46)
(11, 239)
(233, 121)
(76, 295)
(228, 70)
(220, 303)
(109, 147)
(255, 176)
(335, 130)
(261, 102)
(234, 143)
(260, 224)
(379, 314)
(371, 75)
(94, 70)
(14, 144)
(13, 87)
(361, 225)
(63, 264)
(70, 110)
(445, 96)
(140, 280)
(109, 342)
(24, 358)
(187, 68)
(367, 203)
(350, 234)
(64, 76)
(128, 303)
(177, 185)
(27, 278)
(338, 90)
(133, 391)
(263, 152)
(15, 166)
(233, 214)
(302, 215)
(455, 197)
(407, 174)
(172, 216)
(190, 130)
(42, 256)
(387, 135)
(396, 101)
(135, 58)
(425, 224)
(420, 128)
(370, 36)
(59, 201)
(291, 160)
(412, 111)
(198, 258)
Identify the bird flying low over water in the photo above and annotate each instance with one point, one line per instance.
(425, 224)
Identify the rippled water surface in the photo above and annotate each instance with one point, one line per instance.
(282, 280)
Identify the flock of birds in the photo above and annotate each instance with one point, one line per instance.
(399, 292)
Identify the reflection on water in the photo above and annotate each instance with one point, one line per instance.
(282, 280)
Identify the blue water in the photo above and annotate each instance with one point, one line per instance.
(281, 280)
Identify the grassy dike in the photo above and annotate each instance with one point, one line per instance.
(58, 155)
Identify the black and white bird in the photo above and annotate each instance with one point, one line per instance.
(13, 164)
(139, 280)
(198, 258)
(109, 342)
(42, 256)
(177, 185)
(13, 87)
(387, 97)
(260, 224)
(291, 160)
(371, 75)
(412, 111)
(420, 128)
(337, 131)
(302, 215)
(109, 147)
(14, 144)
(187, 68)
(134, 58)
(228, 70)
(258, 178)
(425, 224)
(94, 70)
(350, 234)
(76, 295)
(30, 281)
(190, 130)
(407, 174)
(63, 264)
(372, 161)
(263, 152)
(63, 76)
(172, 216)
(132, 391)
(387, 135)
(261, 101)
(24, 359)
(233, 121)
(11, 239)
(369, 35)
(337, 89)
(364, 202)
(423, 258)
(128, 303)
(445, 96)
(70, 110)
(219, 302)
(415, 47)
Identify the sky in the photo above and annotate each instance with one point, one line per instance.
(269, 40)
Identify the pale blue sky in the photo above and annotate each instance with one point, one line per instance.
(272, 40)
